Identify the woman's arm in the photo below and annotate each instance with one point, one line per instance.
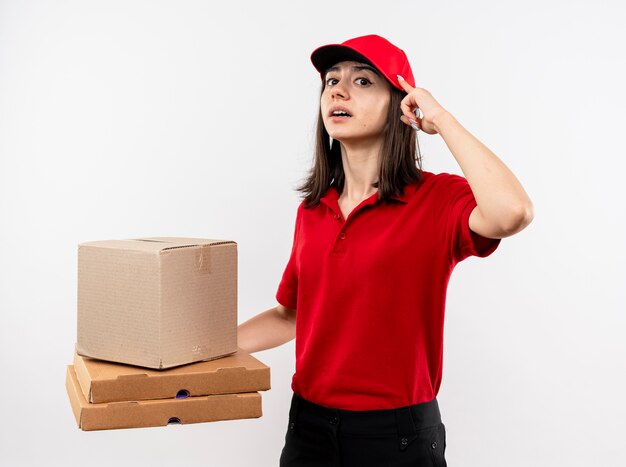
(503, 207)
(267, 330)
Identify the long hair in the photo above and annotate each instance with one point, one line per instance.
(400, 161)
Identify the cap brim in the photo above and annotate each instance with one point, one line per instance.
(326, 56)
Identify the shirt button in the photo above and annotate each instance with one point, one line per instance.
(337, 216)
(333, 420)
(434, 445)
(342, 235)
(404, 441)
(292, 426)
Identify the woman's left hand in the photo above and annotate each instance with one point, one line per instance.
(420, 98)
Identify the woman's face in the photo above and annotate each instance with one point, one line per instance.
(354, 102)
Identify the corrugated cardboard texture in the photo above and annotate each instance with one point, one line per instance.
(103, 381)
(157, 302)
(160, 412)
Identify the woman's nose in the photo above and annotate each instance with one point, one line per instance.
(339, 90)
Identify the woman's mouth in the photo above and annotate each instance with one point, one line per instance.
(338, 114)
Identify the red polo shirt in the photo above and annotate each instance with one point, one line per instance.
(370, 293)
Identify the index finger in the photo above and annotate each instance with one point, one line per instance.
(406, 86)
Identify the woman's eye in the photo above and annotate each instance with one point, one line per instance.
(331, 81)
(363, 81)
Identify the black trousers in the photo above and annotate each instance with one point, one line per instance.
(319, 436)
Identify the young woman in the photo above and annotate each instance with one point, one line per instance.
(375, 242)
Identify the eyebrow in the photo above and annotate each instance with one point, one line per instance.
(355, 68)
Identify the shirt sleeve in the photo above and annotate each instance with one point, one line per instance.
(287, 294)
(456, 202)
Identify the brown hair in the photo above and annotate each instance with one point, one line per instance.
(400, 162)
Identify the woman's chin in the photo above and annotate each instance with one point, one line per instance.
(344, 135)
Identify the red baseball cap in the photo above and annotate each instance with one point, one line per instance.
(372, 49)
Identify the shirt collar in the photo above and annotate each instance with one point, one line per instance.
(332, 195)
(408, 192)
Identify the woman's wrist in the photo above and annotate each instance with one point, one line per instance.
(442, 120)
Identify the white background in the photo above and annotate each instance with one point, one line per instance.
(122, 119)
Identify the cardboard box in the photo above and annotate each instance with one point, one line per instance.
(102, 381)
(160, 412)
(157, 302)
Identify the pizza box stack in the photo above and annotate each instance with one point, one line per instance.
(157, 336)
